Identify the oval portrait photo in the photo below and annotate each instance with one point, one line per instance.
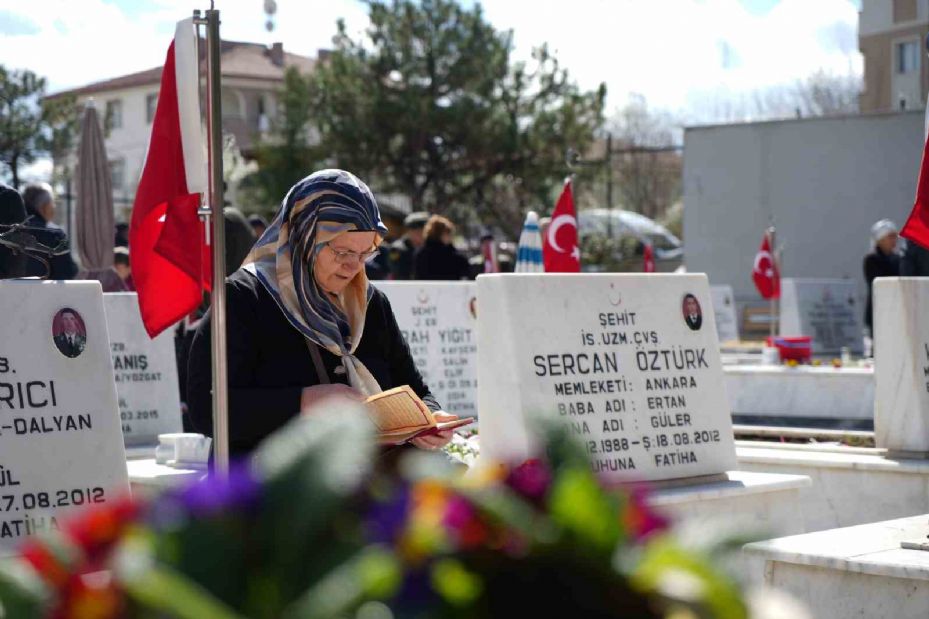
(69, 332)
(693, 315)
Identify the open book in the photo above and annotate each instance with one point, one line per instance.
(400, 415)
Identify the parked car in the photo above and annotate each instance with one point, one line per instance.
(614, 240)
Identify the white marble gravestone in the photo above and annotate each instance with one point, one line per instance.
(727, 325)
(439, 324)
(825, 309)
(145, 371)
(901, 364)
(60, 439)
(614, 358)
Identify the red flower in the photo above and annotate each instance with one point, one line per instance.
(463, 522)
(96, 530)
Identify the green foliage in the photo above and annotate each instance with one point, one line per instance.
(617, 254)
(31, 125)
(20, 118)
(287, 156)
(432, 105)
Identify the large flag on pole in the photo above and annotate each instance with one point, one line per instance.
(170, 257)
(764, 271)
(560, 250)
(916, 227)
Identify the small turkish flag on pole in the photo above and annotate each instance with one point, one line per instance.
(170, 259)
(648, 259)
(764, 272)
(560, 250)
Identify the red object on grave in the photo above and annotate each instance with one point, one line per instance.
(798, 348)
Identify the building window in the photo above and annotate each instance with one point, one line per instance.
(907, 57)
(118, 174)
(151, 102)
(233, 104)
(114, 114)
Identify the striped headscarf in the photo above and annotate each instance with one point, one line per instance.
(316, 210)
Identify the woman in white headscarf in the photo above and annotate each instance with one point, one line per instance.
(883, 261)
(303, 322)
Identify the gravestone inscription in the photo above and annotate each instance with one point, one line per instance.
(628, 363)
(825, 309)
(145, 371)
(60, 440)
(438, 321)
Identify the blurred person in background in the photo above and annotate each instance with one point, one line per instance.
(438, 258)
(121, 237)
(402, 251)
(40, 207)
(12, 211)
(883, 261)
(122, 267)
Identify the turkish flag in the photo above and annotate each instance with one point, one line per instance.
(916, 227)
(648, 259)
(560, 250)
(170, 258)
(764, 272)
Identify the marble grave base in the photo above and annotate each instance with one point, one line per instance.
(850, 485)
(858, 571)
(805, 395)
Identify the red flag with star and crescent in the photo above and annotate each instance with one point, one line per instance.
(560, 250)
(764, 272)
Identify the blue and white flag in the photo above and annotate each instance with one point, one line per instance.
(529, 254)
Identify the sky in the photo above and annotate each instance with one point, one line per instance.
(682, 56)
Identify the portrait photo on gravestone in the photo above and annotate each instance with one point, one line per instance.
(69, 332)
(693, 315)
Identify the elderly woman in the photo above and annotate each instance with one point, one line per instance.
(883, 261)
(303, 322)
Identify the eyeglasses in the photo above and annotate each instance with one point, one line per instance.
(346, 256)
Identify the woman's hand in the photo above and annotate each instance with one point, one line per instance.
(439, 439)
(312, 396)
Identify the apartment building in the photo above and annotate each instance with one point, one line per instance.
(252, 76)
(892, 39)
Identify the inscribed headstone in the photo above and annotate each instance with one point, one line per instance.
(825, 309)
(727, 326)
(901, 363)
(438, 322)
(60, 440)
(145, 371)
(629, 363)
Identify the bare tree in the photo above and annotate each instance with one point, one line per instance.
(646, 170)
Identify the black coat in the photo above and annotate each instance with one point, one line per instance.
(915, 261)
(51, 235)
(438, 260)
(270, 364)
(877, 264)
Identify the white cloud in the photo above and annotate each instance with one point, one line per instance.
(677, 53)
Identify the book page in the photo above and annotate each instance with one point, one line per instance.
(399, 411)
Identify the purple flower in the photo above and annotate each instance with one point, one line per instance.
(209, 497)
(387, 519)
(531, 479)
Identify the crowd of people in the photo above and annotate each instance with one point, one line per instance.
(424, 252)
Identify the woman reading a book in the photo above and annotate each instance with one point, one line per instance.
(303, 323)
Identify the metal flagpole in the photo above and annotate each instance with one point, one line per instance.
(213, 212)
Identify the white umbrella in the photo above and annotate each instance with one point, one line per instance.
(529, 254)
